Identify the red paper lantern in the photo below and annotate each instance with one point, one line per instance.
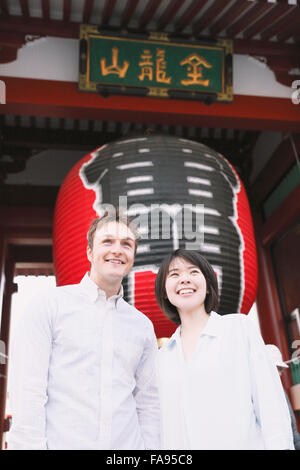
(172, 176)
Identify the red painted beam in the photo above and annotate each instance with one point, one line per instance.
(279, 163)
(12, 39)
(108, 10)
(46, 9)
(40, 26)
(87, 10)
(246, 20)
(67, 10)
(59, 28)
(230, 16)
(148, 13)
(284, 22)
(25, 9)
(51, 98)
(209, 16)
(168, 14)
(288, 213)
(128, 12)
(189, 14)
(278, 10)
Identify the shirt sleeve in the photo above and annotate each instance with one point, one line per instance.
(29, 364)
(146, 394)
(296, 435)
(268, 396)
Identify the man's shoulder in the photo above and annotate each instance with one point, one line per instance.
(68, 289)
(54, 294)
(136, 314)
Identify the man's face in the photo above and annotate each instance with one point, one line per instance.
(112, 255)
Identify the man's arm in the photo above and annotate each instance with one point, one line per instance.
(30, 356)
(146, 394)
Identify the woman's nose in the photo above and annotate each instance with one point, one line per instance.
(184, 278)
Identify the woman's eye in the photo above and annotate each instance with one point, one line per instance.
(107, 241)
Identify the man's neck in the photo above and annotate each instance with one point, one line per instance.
(110, 289)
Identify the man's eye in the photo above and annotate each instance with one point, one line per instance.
(107, 241)
(126, 244)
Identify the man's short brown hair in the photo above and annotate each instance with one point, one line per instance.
(113, 215)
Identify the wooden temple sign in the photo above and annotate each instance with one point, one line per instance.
(155, 66)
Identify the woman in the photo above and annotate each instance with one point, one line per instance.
(218, 388)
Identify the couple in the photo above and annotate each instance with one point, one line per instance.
(84, 363)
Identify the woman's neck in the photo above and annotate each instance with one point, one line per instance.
(192, 325)
(194, 320)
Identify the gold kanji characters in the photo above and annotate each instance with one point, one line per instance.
(146, 65)
(114, 68)
(161, 74)
(195, 63)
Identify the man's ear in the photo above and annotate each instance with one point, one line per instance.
(89, 254)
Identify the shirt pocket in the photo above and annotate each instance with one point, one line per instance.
(128, 352)
(82, 339)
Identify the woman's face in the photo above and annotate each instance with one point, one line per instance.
(185, 285)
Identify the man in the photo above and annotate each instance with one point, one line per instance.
(84, 360)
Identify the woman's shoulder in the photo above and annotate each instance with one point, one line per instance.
(229, 314)
(239, 325)
(230, 317)
(231, 323)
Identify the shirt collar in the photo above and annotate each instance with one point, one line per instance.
(212, 328)
(91, 289)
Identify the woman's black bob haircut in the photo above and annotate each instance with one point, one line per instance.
(211, 300)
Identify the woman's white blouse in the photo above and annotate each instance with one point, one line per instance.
(228, 395)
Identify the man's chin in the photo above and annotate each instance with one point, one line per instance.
(115, 276)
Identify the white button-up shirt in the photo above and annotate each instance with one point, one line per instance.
(227, 395)
(83, 373)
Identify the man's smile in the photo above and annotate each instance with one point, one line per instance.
(115, 261)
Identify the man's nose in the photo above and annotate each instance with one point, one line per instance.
(117, 247)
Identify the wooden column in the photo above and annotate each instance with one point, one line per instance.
(25, 235)
(269, 309)
(4, 334)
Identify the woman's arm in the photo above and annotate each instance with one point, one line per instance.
(268, 396)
